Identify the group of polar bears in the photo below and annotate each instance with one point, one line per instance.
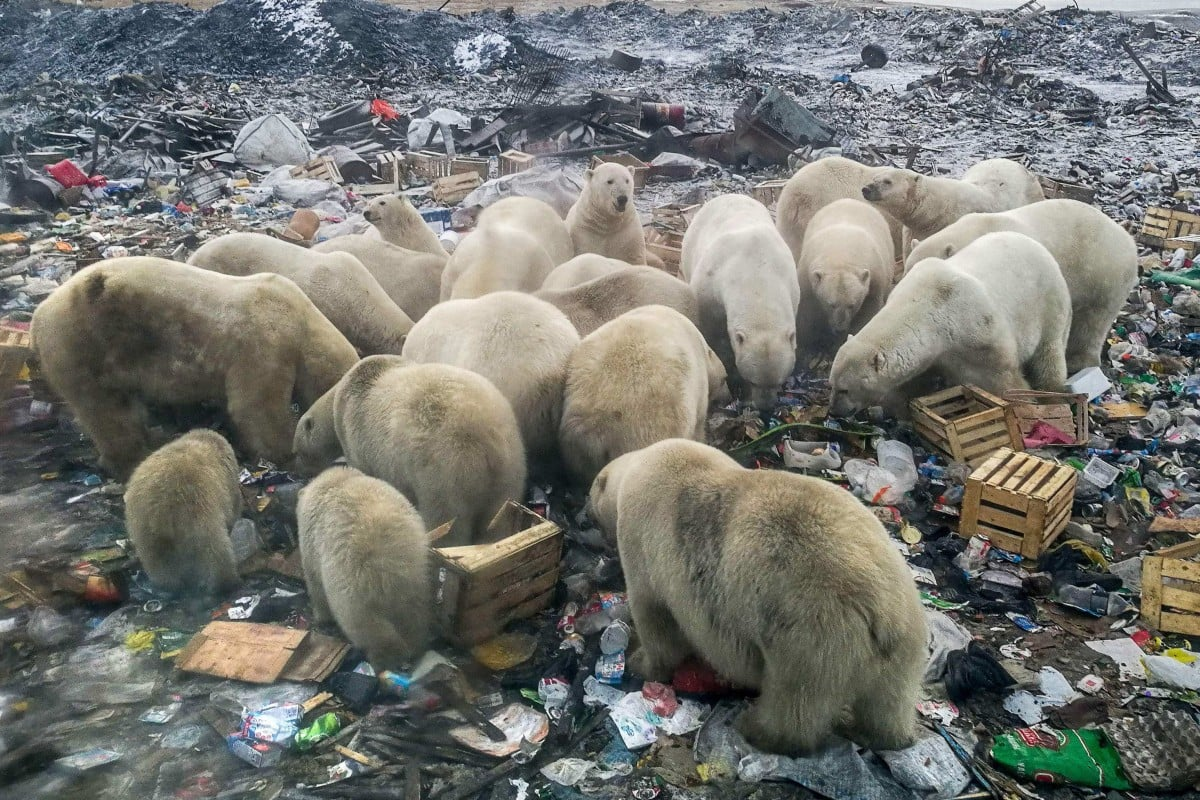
(442, 380)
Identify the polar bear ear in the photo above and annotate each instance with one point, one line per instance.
(864, 276)
(948, 251)
(912, 245)
(739, 337)
(587, 174)
(818, 276)
(879, 361)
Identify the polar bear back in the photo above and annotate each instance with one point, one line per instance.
(581, 269)
(1007, 183)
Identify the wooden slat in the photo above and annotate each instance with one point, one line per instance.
(473, 632)
(1043, 470)
(502, 586)
(1152, 591)
(1016, 480)
(1187, 624)
(937, 397)
(1002, 539)
(986, 428)
(1183, 570)
(1180, 599)
(969, 521)
(1002, 519)
(1005, 498)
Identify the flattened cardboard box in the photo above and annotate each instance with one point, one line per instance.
(258, 653)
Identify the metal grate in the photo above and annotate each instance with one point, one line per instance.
(540, 71)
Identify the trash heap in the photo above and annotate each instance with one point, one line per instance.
(1062, 649)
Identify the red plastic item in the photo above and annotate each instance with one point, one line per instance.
(695, 677)
(661, 697)
(68, 173)
(382, 108)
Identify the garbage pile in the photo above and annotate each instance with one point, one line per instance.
(1060, 653)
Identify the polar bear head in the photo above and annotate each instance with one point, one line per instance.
(718, 380)
(316, 442)
(858, 378)
(765, 358)
(893, 189)
(605, 495)
(841, 293)
(609, 189)
(392, 212)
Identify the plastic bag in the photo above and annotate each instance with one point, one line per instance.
(1048, 755)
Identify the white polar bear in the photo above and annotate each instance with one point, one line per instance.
(926, 204)
(845, 272)
(516, 244)
(399, 223)
(1097, 257)
(337, 284)
(444, 436)
(815, 186)
(518, 342)
(996, 314)
(365, 556)
(412, 278)
(745, 281)
(783, 583)
(604, 220)
(589, 305)
(646, 376)
(581, 269)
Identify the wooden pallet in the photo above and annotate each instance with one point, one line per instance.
(481, 588)
(1020, 502)
(323, 168)
(1171, 589)
(666, 246)
(1161, 226)
(1067, 412)
(965, 423)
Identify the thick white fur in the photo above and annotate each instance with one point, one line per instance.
(581, 269)
(412, 278)
(604, 220)
(399, 223)
(589, 305)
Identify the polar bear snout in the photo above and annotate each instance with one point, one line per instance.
(621, 201)
(871, 192)
(371, 215)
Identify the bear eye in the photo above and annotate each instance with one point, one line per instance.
(610, 181)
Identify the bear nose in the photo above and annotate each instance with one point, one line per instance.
(622, 200)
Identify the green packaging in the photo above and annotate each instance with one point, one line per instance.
(1048, 755)
(322, 728)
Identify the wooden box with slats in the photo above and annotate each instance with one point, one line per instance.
(481, 588)
(1170, 229)
(1020, 502)
(768, 192)
(966, 423)
(15, 349)
(1171, 589)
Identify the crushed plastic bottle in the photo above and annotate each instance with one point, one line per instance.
(245, 539)
(47, 628)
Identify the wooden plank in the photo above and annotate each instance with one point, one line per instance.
(1005, 498)
(516, 594)
(1152, 591)
(1175, 525)
(953, 444)
(1187, 624)
(1182, 570)
(1002, 539)
(1042, 471)
(482, 560)
(952, 410)
(978, 450)
(1004, 520)
(1180, 599)
(1017, 479)
(970, 509)
(475, 631)
(987, 428)
(986, 397)
(989, 467)
(479, 592)
(937, 397)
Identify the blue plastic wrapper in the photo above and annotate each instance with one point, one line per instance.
(275, 723)
(611, 669)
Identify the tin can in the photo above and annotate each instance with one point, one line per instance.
(656, 115)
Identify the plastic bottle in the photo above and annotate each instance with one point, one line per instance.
(245, 539)
(46, 627)
(897, 458)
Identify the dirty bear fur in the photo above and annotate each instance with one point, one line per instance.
(815, 186)
(646, 376)
(781, 582)
(516, 244)
(179, 506)
(747, 292)
(445, 437)
(519, 343)
(129, 333)
(589, 305)
(845, 272)
(399, 223)
(1097, 257)
(927, 204)
(581, 269)
(337, 283)
(604, 220)
(996, 315)
(411, 278)
(365, 555)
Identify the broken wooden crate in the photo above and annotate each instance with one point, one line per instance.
(768, 192)
(666, 245)
(514, 161)
(1169, 229)
(1171, 589)
(15, 349)
(322, 168)
(432, 166)
(450, 190)
(965, 423)
(1061, 410)
(1020, 502)
(1059, 189)
(481, 588)
(638, 168)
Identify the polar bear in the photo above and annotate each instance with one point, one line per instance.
(179, 506)
(399, 222)
(604, 220)
(589, 305)
(1097, 257)
(518, 342)
(845, 272)
(747, 291)
(337, 283)
(444, 436)
(926, 204)
(778, 581)
(996, 314)
(646, 376)
(411, 278)
(130, 333)
(581, 269)
(815, 186)
(516, 244)
(365, 556)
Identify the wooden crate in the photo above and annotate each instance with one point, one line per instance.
(1161, 225)
(674, 217)
(15, 349)
(432, 166)
(1171, 589)
(966, 423)
(768, 192)
(1020, 502)
(514, 161)
(481, 588)
(323, 168)
(1067, 412)
(451, 189)
(640, 169)
(666, 246)
(391, 167)
(1059, 189)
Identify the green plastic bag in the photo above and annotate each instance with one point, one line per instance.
(1048, 755)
